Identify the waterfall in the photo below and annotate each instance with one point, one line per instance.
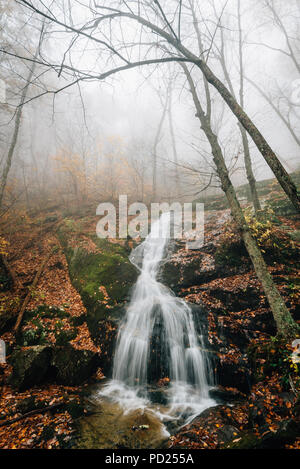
(187, 364)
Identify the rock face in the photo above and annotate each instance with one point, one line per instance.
(43, 363)
(103, 279)
(222, 304)
(223, 433)
(223, 426)
(30, 366)
(72, 366)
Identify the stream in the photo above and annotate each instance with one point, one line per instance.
(157, 338)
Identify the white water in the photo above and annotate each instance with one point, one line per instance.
(188, 391)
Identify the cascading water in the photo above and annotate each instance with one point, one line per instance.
(187, 364)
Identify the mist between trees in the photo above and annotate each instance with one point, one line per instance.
(75, 126)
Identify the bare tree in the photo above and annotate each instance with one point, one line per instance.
(286, 326)
(281, 105)
(162, 38)
(18, 117)
(155, 145)
(247, 156)
(284, 19)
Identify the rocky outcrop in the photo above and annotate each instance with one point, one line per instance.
(221, 433)
(72, 366)
(30, 366)
(103, 277)
(228, 427)
(43, 364)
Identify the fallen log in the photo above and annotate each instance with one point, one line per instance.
(33, 285)
(32, 412)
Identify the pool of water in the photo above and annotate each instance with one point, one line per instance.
(131, 423)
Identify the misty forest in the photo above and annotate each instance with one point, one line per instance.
(114, 337)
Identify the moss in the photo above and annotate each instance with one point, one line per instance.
(103, 279)
(30, 366)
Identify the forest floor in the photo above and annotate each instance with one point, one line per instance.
(26, 241)
(27, 246)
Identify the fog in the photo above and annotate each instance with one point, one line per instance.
(99, 138)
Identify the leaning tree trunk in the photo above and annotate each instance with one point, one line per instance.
(270, 157)
(286, 326)
(279, 171)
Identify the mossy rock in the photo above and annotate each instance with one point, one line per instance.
(30, 366)
(110, 269)
(231, 254)
(46, 311)
(104, 280)
(72, 366)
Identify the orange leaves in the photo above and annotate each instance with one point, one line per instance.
(3, 246)
(163, 381)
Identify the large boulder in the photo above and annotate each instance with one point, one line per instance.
(231, 373)
(286, 433)
(44, 363)
(103, 277)
(72, 366)
(30, 366)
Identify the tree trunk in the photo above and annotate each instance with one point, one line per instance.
(156, 141)
(249, 172)
(173, 139)
(281, 174)
(270, 157)
(286, 326)
(247, 157)
(16, 132)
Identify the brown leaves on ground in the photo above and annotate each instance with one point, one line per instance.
(42, 430)
(25, 251)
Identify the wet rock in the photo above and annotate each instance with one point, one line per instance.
(30, 366)
(222, 395)
(158, 395)
(178, 273)
(226, 433)
(286, 433)
(72, 366)
(257, 414)
(106, 338)
(229, 373)
(43, 363)
(217, 420)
